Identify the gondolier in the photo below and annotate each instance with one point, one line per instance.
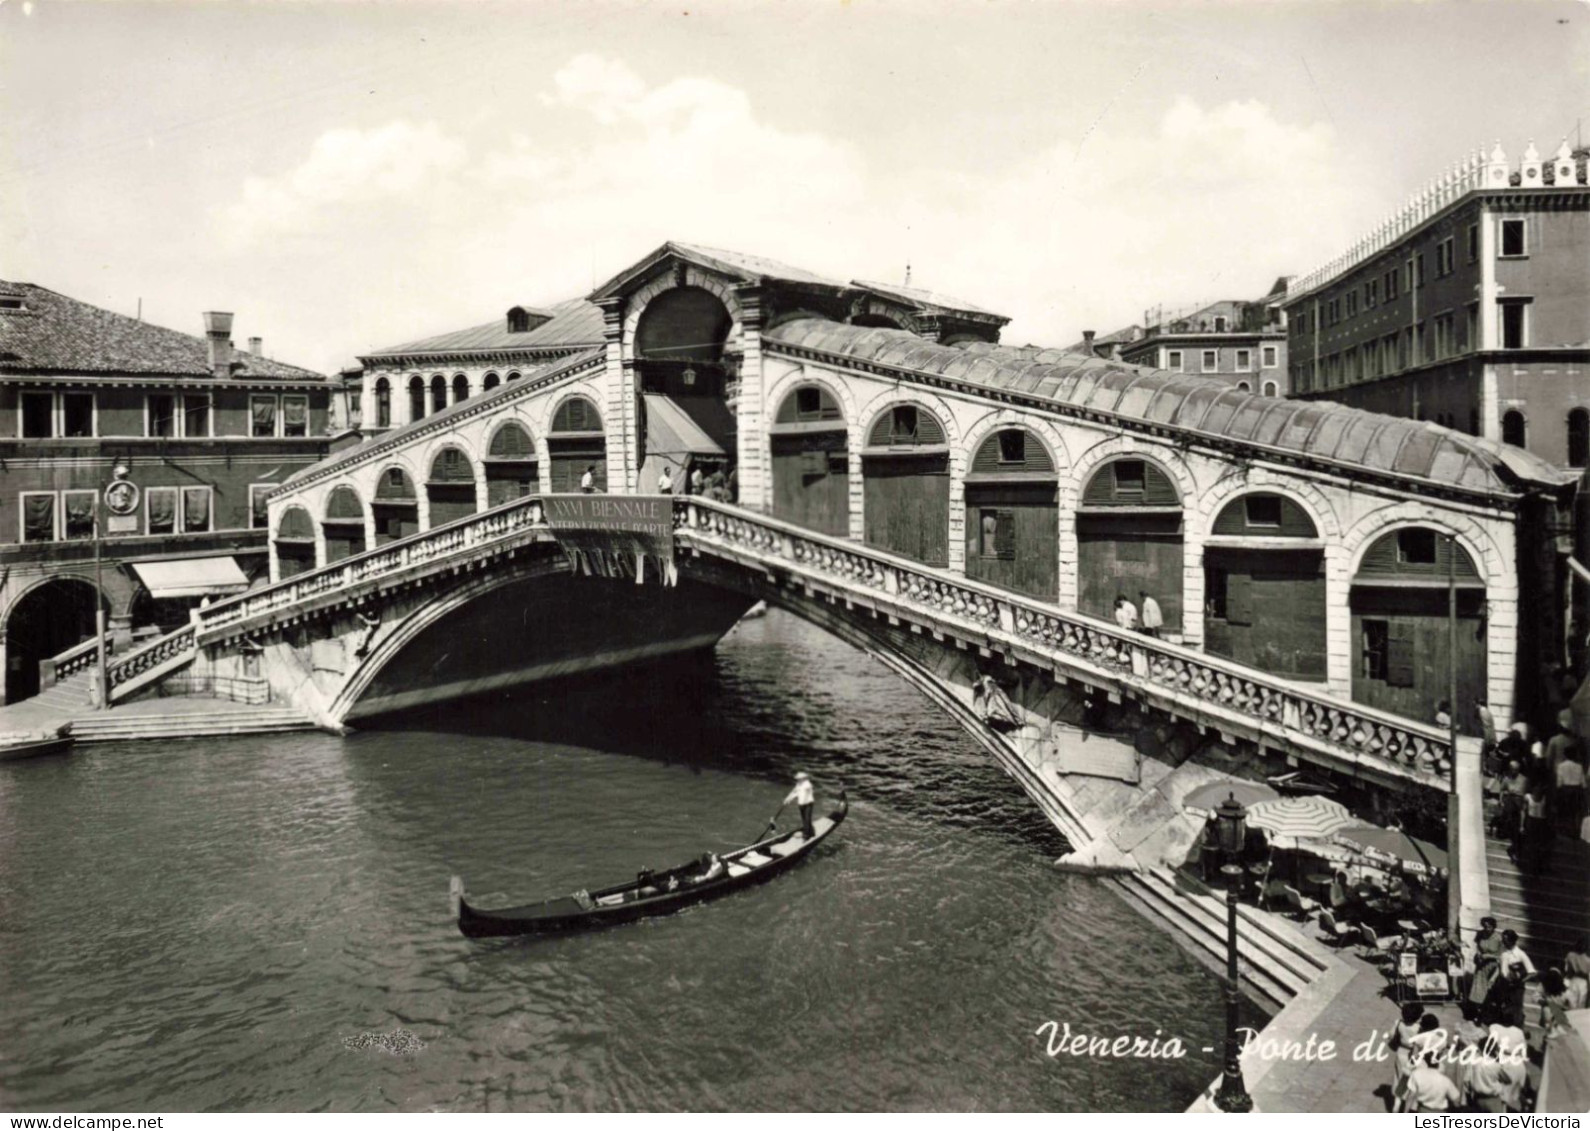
(802, 795)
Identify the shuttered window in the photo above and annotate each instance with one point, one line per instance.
(196, 416)
(79, 507)
(1399, 655)
(575, 415)
(295, 416)
(38, 518)
(195, 509)
(997, 533)
(162, 509)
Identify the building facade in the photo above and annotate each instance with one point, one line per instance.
(1240, 342)
(1469, 308)
(202, 432)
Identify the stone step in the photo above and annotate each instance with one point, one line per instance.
(252, 721)
(1192, 935)
(1279, 936)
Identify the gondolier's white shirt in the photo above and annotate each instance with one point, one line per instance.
(801, 794)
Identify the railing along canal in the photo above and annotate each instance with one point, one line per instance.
(1202, 685)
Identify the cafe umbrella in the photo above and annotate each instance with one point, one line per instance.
(1394, 848)
(1293, 820)
(1207, 798)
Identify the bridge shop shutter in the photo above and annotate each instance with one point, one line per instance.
(1239, 598)
(1400, 654)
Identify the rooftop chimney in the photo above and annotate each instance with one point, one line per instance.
(1087, 341)
(218, 333)
(256, 346)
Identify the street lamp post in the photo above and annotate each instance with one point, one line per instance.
(1454, 897)
(100, 680)
(1233, 822)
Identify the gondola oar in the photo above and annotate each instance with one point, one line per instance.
(770, 824)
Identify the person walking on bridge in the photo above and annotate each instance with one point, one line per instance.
(1153, 618)
(803, 796)
(1125, 612)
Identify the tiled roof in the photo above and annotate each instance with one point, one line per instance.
(1207, 406)
(931, 300)
(59, 334)
(396, 437)
(754, 265)
(574, 324)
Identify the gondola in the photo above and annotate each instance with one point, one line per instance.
(650, 893)
(14, 748)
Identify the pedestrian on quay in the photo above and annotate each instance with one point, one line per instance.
(1428, 1088)
(1569, 803)
(1404, 1038)
(1535, 852)
(1125, 612)
(1505, 1003)
(803, 796)
(1487, 964)
(1576, 973)
(1153, 619)
(1495, 1082)
(1509, 820)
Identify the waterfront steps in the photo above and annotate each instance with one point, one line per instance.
(1275, 958)
(68, 697)
(1549, 909)
(215, 718)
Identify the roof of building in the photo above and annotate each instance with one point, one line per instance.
(482, 402)
(59, 334)
(1209, 407)
(929, 300)
(572, 325)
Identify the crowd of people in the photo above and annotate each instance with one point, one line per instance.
(720, 485)
(1538, 791)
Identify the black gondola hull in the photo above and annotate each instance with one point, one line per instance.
(567, 914)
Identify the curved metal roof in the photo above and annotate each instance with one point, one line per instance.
(1207, 406)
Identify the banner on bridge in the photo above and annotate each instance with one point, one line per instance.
(614, 535)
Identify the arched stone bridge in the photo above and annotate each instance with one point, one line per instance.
(914, 486)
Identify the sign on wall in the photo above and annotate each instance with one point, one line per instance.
(614, 535)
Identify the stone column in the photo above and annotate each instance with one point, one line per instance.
(618, 404)
(1338, 620)
(751, 412)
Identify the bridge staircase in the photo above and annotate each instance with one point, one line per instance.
(171, 718)
(1549, 909)
(1276, 960)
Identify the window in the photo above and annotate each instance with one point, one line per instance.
(808, 403)
(1271, 357)
(262, 416)
(1173, 360)
(1471, 327)
(417, 398)
(196, 415)
(518, 321)
(355, 406)
(1220, 323)
(1445, 332)
(1474, 242)
(1263, 510)
(1369, 295)
(295, 416)
(1418, 270)
(1130, 476)
(902, 424)
(1391, 284)
(1512, 238)
(1270, 389)
(1244, 387)
(490, 382)
(996, 534)
(160, 510)
(1416, 546)
(78, 512)
(195, 509)
(1513, 324)
(1421, 352)
(514, 375)
(162, 409)
(1579, 437)
(1515, 430)
(38, 516)
(38, 416)
(1013, 446)
(1376, 640)
(460, 388)
(77, 414)
(1216, 589)
(259, 505)
(1211, 360)
(383, 403)
(1244, 361)
(438, 393)
(1444, 257)
(1352, 303)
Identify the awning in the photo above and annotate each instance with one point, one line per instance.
(191, 577)
(671, 431)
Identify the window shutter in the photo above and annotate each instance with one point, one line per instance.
(1005, 535)
(162, 511)
(195, 508)
(39, 518)
(1239, 598)
(1399, 655)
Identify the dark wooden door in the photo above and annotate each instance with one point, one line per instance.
(811, 481)
(1266, 609)
(907, 506)
(1126, 554)
(1013, 537)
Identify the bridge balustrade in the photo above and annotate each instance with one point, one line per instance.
(1191, 684)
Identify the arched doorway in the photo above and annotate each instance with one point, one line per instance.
(510, 465)
(575, 443)
(1012, 515)
(687, 384)
(416, 399)
(344, 525)
(906, 485)
(1264, 587)
(438, 393)
(1401, 628)
(460, 388)
(1129, 540)
(811, 461)
(396, 507)
(1515, 430)
(295, 543)
(451, 487)
(46, 621)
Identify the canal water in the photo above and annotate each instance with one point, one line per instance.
(262, 923)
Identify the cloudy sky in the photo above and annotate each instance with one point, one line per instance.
(351, 175)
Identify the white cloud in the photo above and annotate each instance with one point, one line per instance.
(345, 168)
